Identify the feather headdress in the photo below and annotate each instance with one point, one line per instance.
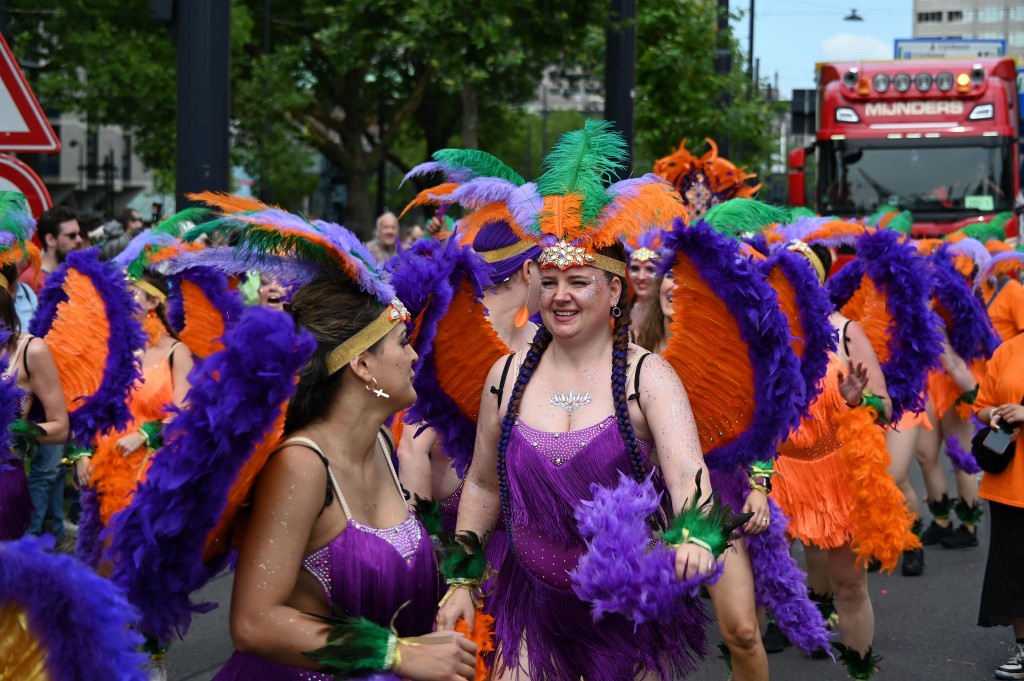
(969, 255)
(994, 229)
(742, 217)
(158, 244)
(458, 166)
(825, 231)
(704, 181)
(644, 247)
(1010, 263)
(17, 227)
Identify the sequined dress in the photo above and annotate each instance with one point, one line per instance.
(365, 571)
(15, 502)
(548, 475)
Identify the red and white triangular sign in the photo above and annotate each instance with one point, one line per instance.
(23, 124)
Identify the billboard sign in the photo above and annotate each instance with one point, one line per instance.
(948, 48)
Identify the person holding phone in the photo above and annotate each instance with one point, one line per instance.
(1002, 594)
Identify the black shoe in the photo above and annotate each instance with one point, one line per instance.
(936, 533)
(913, 562)
(774, 640)
(961, 539)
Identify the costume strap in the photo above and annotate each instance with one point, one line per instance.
(340, 356)
(500, 389)
(505, 252)
(636, 377)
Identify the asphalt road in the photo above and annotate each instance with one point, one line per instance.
(925, 628)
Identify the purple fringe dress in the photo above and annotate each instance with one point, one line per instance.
(15, 502)
(533, 602)
(368, 572)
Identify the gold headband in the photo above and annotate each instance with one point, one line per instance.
(564, 255)
(644, 254)
(505, 251)
(3, 282)
(800, 247)
(150, 289)
(362, 341)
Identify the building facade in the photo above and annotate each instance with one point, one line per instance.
(992, 19)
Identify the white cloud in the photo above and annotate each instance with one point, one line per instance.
(849, 47)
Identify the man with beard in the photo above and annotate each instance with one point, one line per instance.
(383, 247)
(60, 234)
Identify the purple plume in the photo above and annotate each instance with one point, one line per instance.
(961, 459)
(969, 328)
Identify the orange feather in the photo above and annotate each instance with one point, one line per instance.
(426, 197)
(204, 323)
(561, 215)
(229, 203)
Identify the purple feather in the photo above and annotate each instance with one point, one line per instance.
(427, 168)
(801, 227)
(621, 572)
(972, 248)
(778, 384)
(150, 238)
(236, 397)
(969, 327)
(820, 335)
(525, 206)
(15, 502)
(107, 408)
(81, 620)
(779, 584)
(961, 459)
(914, 341)
(89, 546)
(426, 278)
(986, 271)
(481, 192)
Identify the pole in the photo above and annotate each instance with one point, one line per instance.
(265, 194)
(750, 44)
(620, 73)
(723, 65)
(204, 93)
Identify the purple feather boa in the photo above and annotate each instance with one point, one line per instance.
(778, 384)
(217, 290)
(621, 572)
(914, 341)
(820, 335)
(779, 584)
(961, 459)
(426, 278)
(89, 546)
(80, 619)
(969, 328)
(107, 408)
(236, 397)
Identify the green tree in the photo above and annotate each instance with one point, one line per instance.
(678, 93)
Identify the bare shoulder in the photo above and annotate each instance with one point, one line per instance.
(293, 466)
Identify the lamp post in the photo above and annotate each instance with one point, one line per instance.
(853, 16)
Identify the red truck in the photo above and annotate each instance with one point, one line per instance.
(936, 137)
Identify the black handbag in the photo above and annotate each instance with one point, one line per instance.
(992, 460)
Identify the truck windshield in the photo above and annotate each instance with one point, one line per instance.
(937, 179)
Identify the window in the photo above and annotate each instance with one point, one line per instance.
(988, 15)
(958, 15)
(1017, 13)
(1017, 39)
(929, 17)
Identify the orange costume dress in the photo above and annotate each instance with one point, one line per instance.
(116, 476)
(833, 480)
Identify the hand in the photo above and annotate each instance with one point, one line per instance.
(129, 443)
(458, 606)
(440, 656)
(435, 227)
(692, 560)
(1011, 413)
(757, 503)
(851, 386)
(83, 470)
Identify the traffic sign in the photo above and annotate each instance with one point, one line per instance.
(23, 124)
(15, 176)
(942, 48)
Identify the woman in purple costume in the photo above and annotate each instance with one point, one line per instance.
(329, 530)
(561, 431)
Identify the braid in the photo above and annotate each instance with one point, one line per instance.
(537, 347)
(620, 353)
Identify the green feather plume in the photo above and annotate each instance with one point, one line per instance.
(584, 162)
(429, 513)
(902, 223)
(176, 224)
(479, 163)
(882, 211)
(858, 666)
(15, 217)
(985, 231)
(709, 521)
(25, 437)
(355, 647)
(463, 557)
(258, 244)
(737, 217)
(800, 212)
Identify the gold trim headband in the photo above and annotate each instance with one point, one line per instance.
(340, 356)
(564, 255)
(644, 254)
(803, 249)
(150, 290)
(505, 251)
(3, 282)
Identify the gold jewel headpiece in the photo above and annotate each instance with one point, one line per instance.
(149, 289)
(564, 255)
(340, 356)
(797, 246)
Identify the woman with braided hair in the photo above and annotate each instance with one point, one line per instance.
(560, 432)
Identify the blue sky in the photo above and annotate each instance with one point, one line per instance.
(790, 36)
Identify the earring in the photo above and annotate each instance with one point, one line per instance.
(522, 317)
(375, 390)
(616, 312)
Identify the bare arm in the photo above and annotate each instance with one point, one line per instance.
(481, 504)
(182, 366)
(862, 353)
(956, 367)
(288, 497)
(45, 385)
(414, 460)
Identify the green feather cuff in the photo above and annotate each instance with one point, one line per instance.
(355, 647)
(873, 401)
(429, 513)
(858, 666)
(968, 396)
(74, 452)
(152, 431)
(463, 560)
(967, 513)
(709, 524)
(25, 436)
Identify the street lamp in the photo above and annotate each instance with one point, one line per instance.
(853, 16)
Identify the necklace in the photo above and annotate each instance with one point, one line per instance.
(570, 402)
